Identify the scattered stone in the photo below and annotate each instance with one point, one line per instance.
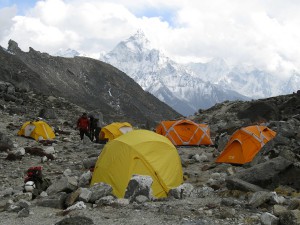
(100, 190)
(279, 209)
(67, 184)
(290, 217)
(233, 183)
(24, 196)
(265, 174)
(85, 179)
(139, 185)
(141, 199)
(23, 212)
(89, 162)
(53, 201)
(78, 206)
(76, 220)
(73, 197)
(181, 191)
(261, 197)
(269, 219)
(107, 200)
(85, 195)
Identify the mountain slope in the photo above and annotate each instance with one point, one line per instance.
(166, 79)
(87, 82)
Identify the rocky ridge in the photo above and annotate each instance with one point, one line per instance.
(89, 83)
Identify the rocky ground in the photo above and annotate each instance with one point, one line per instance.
(265, 191)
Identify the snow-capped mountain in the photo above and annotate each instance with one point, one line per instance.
(67, 53)
(167, 80)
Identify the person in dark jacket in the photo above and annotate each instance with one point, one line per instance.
(83, 124)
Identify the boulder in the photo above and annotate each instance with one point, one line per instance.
(233, 183)
(266, 174)
(76, 220)
(90, 162)
(100, 190)
(54, 201)
(73, 197)
(85, 195)
(85, 179)
(139, 185)
(67, 184)
(181, 191)
(290, 217)
(261, 197)
(5, 142)
(269, 219)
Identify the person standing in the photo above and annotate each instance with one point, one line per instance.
(83, 124)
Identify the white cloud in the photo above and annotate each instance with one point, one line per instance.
(263, 33)
(6, 22)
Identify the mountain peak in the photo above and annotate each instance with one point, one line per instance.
(13, 46)
(139, 39)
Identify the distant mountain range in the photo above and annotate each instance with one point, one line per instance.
(193, 86)
(89, 83)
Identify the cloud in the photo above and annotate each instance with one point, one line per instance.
(263, 33)
(6, 22)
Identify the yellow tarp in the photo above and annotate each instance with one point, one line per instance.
(139, 152)
(114, 130)
(39, 130)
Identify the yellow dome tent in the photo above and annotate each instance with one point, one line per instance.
(114, 130)
(139, 152)
(245, 143)
(38, 130)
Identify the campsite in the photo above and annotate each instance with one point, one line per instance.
(184, 184)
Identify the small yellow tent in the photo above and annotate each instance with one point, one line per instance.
(114, 130)
(245, 143)
(139, 152)
(39, 130)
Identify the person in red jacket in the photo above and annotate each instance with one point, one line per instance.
(83, 124)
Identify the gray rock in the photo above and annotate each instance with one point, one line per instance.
(269, 219)
(265, 174)
(181, 191)
(233, 183)
(89, 162)
(5, 142)
(67, 184)
(139, 185)
(100, 190)
(23, 204)
(261, 197)
(141, 199)
(23, 212)
(85, 195)
(72, 197)
(54, 201)
(279, 209)
(78, 206)
(202, 192)
(25, 196)
(291, 217)
(47, 113)
(107, 200)
(76, 220)
(85, 179)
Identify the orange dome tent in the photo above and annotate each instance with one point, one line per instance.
(185, 132)
(244, 144)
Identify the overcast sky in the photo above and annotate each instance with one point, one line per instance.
(262, 33)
